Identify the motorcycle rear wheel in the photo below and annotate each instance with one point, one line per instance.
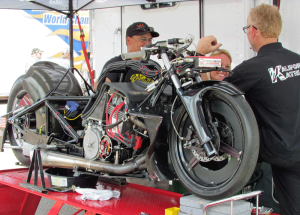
(18, 97)
(210, 179)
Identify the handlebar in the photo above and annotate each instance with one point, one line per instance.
(139, 54)
(143, 53)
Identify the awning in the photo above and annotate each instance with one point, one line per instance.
(62, 5)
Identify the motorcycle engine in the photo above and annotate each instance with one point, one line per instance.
(93, 138)
(97, 142)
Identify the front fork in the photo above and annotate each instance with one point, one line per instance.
(193, 104)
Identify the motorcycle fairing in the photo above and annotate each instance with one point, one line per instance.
(155, 166)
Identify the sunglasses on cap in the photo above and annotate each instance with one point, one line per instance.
(143, 28)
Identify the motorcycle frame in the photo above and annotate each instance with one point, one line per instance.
(44, 101)
(191, 99)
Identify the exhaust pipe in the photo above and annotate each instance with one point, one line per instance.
(54, 159)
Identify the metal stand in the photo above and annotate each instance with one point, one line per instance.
(36, 163)
(238, 197)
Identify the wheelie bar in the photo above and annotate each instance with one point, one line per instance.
(62, 121)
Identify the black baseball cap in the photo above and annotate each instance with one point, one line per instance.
(140, 28)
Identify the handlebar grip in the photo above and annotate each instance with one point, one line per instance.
(175, 41)
(140, 54)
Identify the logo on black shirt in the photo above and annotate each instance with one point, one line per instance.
(140, 77)
(277, 72)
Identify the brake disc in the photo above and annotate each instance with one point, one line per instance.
(223, 133)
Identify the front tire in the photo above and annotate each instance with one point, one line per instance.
(18, 98)
(234, 126)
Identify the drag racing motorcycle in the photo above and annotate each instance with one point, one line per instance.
(203, 133)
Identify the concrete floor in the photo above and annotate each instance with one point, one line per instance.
(46, 204)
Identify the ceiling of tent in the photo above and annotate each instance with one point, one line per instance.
(63, 5)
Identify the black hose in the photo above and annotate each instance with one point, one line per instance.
(133, 64)
(85, 82)
(88, 111)
(163, 87)
(113, 125)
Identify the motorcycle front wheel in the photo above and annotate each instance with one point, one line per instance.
(18, 98)
(234, 129)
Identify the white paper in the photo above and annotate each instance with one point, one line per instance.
(97, 194)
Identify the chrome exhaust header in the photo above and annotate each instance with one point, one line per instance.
(55, 159)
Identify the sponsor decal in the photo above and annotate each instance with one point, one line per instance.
(140, 77)
(54, 19)
(284, 72)
(59, 25)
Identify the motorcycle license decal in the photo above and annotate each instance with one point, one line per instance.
(59, 181)
(140, 77)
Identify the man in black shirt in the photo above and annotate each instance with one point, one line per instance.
(138, 35)
(271, 82)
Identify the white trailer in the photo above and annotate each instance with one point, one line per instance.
(222, 18)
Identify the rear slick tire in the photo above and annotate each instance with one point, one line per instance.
(18, 97)
(227, 175)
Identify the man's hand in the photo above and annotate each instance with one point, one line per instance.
(207, 44)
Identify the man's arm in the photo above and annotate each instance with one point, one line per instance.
(207, 44)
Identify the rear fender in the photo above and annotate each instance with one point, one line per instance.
(44, 76)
